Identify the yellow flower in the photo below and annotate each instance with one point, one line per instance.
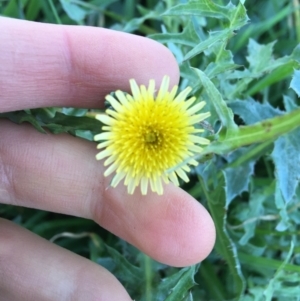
(146, 136)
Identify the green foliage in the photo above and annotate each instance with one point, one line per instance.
(286, 158)
(176, 286)
(216, 198)
(74, 12)
(243, 59)
(295, 83)
(64, 120)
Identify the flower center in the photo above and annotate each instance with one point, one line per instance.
(151, 137)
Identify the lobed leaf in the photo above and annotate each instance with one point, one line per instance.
(286, 157)
(237, 178)
(258, 198)
(216, 198)
(187, 37)
(252, 111)
(269, 291)
(225, 114)
(208, 8)
(75, 12)
(22, 116)
(176, 286)
(295, 83)
(214, 38)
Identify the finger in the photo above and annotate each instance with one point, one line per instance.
(31, 268)
(53, 65)
(59, 173)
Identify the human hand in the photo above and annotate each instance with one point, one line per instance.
(49, 65)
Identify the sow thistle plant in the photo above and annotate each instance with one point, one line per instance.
(149, 138)
(249, 171)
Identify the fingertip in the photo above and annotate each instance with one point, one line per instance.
(174, 229)
(190, 231)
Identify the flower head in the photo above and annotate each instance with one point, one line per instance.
(147, 136)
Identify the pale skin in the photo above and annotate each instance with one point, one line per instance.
(49, 65)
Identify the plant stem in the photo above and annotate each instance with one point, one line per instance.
(57, 18)
(148, 277)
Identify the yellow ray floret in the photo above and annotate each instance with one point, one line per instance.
(146, 134)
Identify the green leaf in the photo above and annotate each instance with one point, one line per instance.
(187, 37)
(259, 56)
(87, 135)
(208, 8)
(258, 27)
(176, 286)
(259, 263)
(214, 37)
(286, 286)
(62, 123)
(212, 282)
(252, 111)
(262, 62)
(269, 291)
(207, 171)
(75, 12)
(224, 113)
(255, 209)
(281, 69)
(286, 157)
(135, 23)
(216, 198)
(57, 122)
(289, 103)
(123, 269)
(281, 205)
(33, 9)
(73, 111)
(223, 62)
(295, 83)
(214, 69)
(235, 15)
(279, 74)
(22, 116)
(238, 16)
(237, 178)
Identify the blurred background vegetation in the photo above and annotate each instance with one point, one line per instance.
(247, 55)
